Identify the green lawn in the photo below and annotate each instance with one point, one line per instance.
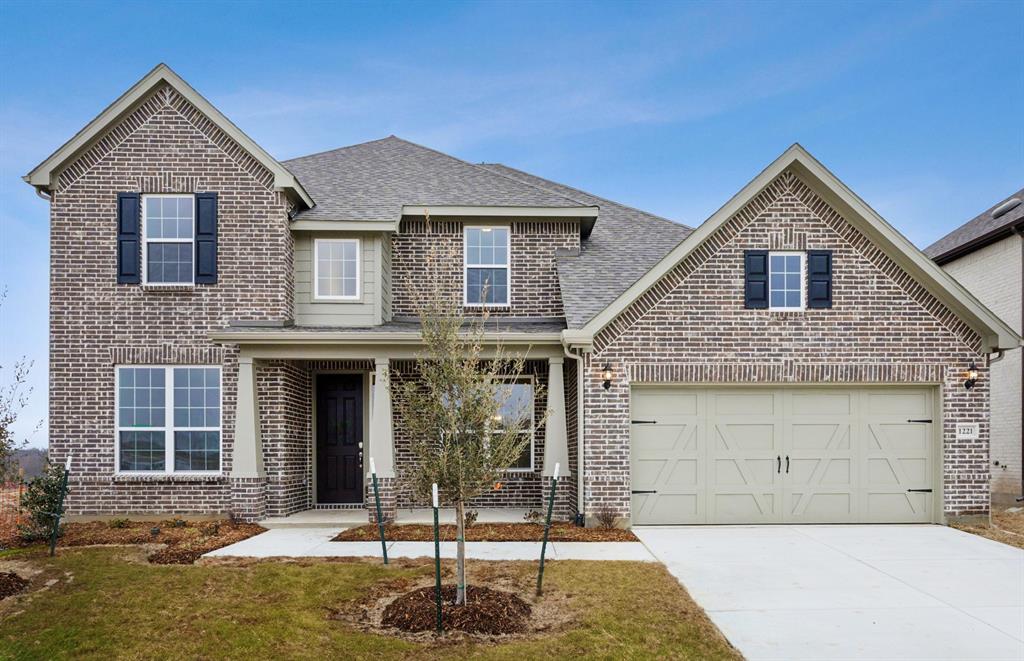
(110, 603)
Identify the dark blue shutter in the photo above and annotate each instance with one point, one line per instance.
(819, 279)
(206, 238)
(129, 253)
(755, 279)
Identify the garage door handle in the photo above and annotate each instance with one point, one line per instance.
(643, 422)
(919, 490)
(644, 492)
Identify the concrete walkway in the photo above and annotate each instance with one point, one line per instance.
(851, 592)
(315, 543)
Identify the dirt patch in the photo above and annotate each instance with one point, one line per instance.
(486, 532)
(1007, 527)
(487, 611)
(178, 542)
(11, 584)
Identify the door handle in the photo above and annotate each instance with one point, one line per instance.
(778, 462)
(787, 464)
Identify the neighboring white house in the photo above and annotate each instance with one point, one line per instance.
(986, 254)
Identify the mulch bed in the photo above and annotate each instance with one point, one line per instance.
(11, 584)
(184, 540)
(488, 611)
(486, 532)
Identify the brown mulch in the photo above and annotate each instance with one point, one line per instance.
(11, 584)
(184, 541)
(486, 532)
(488, 611)
(1007, 527)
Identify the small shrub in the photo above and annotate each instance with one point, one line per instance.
(533, 516)
(40, 502)
(178, 523)
(471, 517)
(211, 529)
(606, 517)
(118, 523)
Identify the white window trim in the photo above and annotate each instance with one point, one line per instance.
(528, 378)
(317, 296)
(146, 241)
(803, 280)
(466, 265)
(168, 427)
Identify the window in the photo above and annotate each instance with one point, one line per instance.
(517, 410)
(786, 281)
(169, 231)
(175, 433)
(486, 266)
(336, 269)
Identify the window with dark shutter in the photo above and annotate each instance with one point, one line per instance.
(819, 279)
(206, 238)
(128, 247)
(755, 278)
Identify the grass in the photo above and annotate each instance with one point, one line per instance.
(110, 603)
(1007, 527)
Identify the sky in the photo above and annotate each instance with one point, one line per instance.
(668, 107)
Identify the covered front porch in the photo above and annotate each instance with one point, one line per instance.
(309, 419)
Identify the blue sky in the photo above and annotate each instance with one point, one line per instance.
(668, 107)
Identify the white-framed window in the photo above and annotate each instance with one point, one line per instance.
(168, 419)
(486, 274)
(786, 280)
(516, 399)
(168, 245)
(336, 271)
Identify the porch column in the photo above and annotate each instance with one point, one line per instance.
(247, 454)
(556, 435)
(382, 444)
(248, 479)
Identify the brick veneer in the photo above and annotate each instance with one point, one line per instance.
(164, 146)
(692, 327)
(534, 280)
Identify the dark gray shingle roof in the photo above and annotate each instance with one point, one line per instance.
(624, 245)
(979, 231)
(371, 181)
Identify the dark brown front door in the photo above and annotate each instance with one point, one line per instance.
(339, 437)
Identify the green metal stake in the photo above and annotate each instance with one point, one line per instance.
(437, 563)
(547, 527)
(380, 519)
(60, 507)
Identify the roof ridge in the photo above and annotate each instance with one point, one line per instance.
(598, 197)
(489, 171)
(331, 151)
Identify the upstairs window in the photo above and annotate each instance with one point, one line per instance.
(169, 232)
(786, 278)
(487, 266)
(336, 269)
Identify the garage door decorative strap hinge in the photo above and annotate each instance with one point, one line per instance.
(644, 491)
(919, 490)
(928, 421)
(643, 422)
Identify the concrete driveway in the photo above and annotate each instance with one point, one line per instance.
(851, 592)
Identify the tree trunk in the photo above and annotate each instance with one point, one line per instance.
(460, 554)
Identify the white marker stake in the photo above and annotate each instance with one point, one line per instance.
(67, 464)
(373, 467)
(556, 470)
(434, 490)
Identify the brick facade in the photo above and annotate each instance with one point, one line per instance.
(533, 277)
(164, 146)
(692, 327)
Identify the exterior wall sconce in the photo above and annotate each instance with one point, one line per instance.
(972, 376)
(606, 374)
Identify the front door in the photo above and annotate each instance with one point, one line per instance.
(339, 438)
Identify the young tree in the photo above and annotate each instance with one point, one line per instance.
(13, 399)
(459, 409)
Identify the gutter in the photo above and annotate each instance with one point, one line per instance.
(388, 337)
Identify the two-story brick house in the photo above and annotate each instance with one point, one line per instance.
(224, 329)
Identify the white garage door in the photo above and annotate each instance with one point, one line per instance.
(783, 455)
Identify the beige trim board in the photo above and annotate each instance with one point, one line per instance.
(511, 212)
(995, 333)
(392, 352)
(43, 175)
(345, 225)
(396, 338)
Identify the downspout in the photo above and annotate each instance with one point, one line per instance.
(579, 428)
(1019, 230)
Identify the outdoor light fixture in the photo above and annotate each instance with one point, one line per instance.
(972, 376)
(606, 374)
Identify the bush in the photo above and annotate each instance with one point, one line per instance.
(533, 516)
(606, 517)
(471, 517)
(40, 502)
(118, 523)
